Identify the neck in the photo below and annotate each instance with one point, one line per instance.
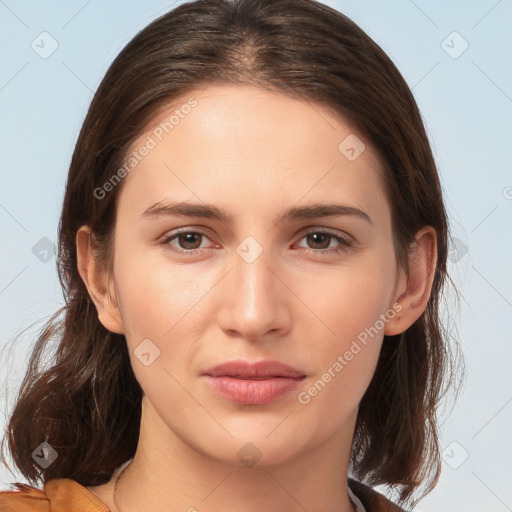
(168, 474)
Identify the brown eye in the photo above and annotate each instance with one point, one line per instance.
(319, 242)
(188, 242)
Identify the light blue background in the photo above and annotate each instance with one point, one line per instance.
(466, 104)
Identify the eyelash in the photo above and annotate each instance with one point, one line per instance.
(345, 242)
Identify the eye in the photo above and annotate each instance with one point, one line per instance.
(187, 240)
(324, 239)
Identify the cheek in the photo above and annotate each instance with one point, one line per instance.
(342, 304)
(331, 397)
(347, 338)
(344, 362)
(159, 303)
(155, 295)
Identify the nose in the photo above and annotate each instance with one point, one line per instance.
(254, 299)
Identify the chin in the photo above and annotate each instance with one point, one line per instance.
(255, 447)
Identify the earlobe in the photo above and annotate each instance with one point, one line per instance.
(414, 295)
(96, 283)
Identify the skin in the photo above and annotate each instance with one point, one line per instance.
(253, 153)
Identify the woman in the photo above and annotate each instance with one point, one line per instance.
(253, 247)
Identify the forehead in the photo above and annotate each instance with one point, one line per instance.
(240, 141)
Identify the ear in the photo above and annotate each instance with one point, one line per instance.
(97, 284)
(413, 294)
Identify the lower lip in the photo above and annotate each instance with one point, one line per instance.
(255, 392)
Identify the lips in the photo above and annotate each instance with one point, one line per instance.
(253, 383)
(257, 370)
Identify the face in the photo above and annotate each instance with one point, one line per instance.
(309, 289)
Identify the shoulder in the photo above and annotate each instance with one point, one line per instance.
(24, 498)
(66, 495)
(371, 499)
(59, 495)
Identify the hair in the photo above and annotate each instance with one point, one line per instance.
(87, 403)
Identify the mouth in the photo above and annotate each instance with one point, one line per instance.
(257, 383)
(256, 370)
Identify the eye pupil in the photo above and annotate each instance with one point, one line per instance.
(190, 241)
(323, 236)
(187, 239)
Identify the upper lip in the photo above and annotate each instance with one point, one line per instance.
(259, 369)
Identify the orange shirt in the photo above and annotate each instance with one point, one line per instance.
(59, 495)
(67, 495)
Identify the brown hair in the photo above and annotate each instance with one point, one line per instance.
(87, 403)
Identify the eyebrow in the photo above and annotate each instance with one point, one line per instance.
(208, 211)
